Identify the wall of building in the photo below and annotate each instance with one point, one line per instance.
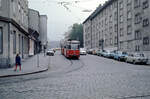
(34, 20)
(34, 29)
(14, 25)
(4, 53)
(87, 34)
(18, 11)
(122, 24)
(43, 29)
(21, 44)
(4, 8)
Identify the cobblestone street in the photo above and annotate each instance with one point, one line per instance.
(90, 77)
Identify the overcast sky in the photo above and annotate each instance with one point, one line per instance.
(61, 17)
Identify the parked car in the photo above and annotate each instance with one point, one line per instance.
(50, 52)
(90, 51)
(99, 52)
(137, 58)
(83, 51)
(106, 53)
(112, 54)
(120, 56)
(93, 52)
(103, 53)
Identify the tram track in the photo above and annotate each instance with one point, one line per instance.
(75, 68)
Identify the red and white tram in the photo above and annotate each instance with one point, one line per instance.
(70, 49)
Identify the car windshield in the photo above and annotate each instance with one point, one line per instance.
(74, 46)
(50, 50)
(119, 52)
(124, 52)
(82, 49)
(108, 51)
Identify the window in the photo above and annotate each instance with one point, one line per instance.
(129, 2)
(111, 41)
(14, 42)
(137, 48)
(138, 35)
(1, 40)
(74, 46)
(121, 5)
(115, 15)
(121, 13)
(121, 45)
(115, 27)
(106, 21)
(121, 18)
(138, 18)
(19, 7)
(110, 28)
(19, 43)
(146, 41)
(128, 44)
(145, 4)
(129, 7)
(129, 15)
(116, 40)
(110, 21)
(145, 22)
(121, 31)
(136, 3)
(129, 29)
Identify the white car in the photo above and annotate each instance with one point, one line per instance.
(136, 58)
(50, 53)
(83, 51)
(106, 53)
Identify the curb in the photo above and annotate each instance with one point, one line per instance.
(23, 74)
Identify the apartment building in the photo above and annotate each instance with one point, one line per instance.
(119, 25)
(100, 28)
(13, 30)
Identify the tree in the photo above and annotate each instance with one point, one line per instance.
(76, 33)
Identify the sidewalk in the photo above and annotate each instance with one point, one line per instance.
(29, 66)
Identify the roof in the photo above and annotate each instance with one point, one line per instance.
(98, 10)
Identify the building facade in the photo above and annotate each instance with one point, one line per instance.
(13, 31)
(34, 31)
(43, 30)
(119, 25)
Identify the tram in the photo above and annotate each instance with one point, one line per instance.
(70, 49)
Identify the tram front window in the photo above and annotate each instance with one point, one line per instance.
(74, 46)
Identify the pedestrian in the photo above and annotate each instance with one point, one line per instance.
(18, 62)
